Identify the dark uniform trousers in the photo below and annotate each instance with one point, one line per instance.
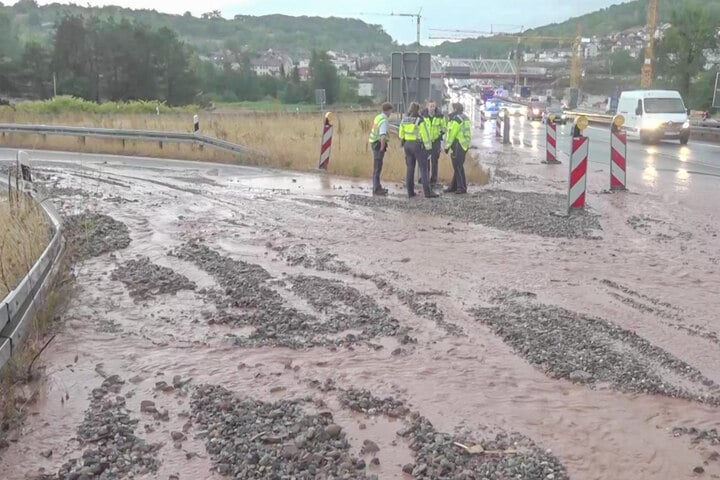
(415, 153)
(378, 157)
(457, 156)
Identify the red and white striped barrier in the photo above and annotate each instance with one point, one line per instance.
(326, 144)
(578, 173)
(618, 162)
(551, 143)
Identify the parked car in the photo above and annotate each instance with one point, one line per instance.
(535, 111)
(560, 117)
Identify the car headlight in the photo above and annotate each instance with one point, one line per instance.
(686, 125)
(651, 124)
(563, 116)
(536, 111)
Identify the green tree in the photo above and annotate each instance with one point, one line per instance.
(35, 69)
(681, 51)
(323, 75)
(622, 63)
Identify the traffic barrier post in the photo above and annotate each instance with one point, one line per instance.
(506, 126)
(498, 126)
(551, 141)
(577, 187)
(618, 155)
(196, 123)
(326, 143)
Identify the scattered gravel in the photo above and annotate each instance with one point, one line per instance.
(112, 448)
(92, 234)
(145, 280)
(363, 401)
(669, 314)
(249, 439)
(345, 307)
(514, 456)
(249, 299)
(422, 308)
(524, 212)
(711, 436)
(590, 350)
(312, 258)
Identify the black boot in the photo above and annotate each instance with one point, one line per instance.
(429, 193)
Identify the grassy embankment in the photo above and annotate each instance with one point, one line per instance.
(24, 236)
(287, 140)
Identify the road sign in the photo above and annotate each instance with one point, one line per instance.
(716, 97)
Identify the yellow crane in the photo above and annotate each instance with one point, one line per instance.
(416, 16)
(576, 64)
(648, 68)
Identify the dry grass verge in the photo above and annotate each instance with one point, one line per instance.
(289, 141)
(23, 237)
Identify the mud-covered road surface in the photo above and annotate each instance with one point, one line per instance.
(232, 322)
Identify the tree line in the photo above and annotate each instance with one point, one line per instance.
(121, 60)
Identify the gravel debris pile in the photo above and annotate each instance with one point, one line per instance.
(145, 280)
(311, 258)
(590, 350)
(429, 310)
(363, 401)
(511, 456)
(250, 300)
(112, 448)
(523, 212)
(249, 439)
(698, 435)
(345, 307)
(92, 234)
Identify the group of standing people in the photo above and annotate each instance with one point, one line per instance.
(421, 137)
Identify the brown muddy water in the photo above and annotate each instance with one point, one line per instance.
(594, 346)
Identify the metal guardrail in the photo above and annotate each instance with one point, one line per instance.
(145, 135)
(19, 307)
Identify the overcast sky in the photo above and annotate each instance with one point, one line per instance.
(507, 15)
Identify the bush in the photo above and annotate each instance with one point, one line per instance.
(64, 104)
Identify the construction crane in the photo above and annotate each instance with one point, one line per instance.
(576, 69)
(416, 16)
(648, 68)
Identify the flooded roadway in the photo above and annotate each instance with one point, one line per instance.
(652, 270)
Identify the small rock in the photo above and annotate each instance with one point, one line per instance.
(178, 436)
(580, 376)
(714, 457)
(223, 468)
(360, 464)
(699, 470)
(369, 448)
(290, 451)
(173, 477)
(419, 470)
(375, 462)
(148, 406)
(408, 468)
(46, 453)
(362, 426)
(276, 389)
(333, 430)
(4, 444)
(163, 416)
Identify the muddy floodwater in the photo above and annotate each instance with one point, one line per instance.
(232, 322)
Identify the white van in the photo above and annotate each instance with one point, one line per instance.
(655, 115)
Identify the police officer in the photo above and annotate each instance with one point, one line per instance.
(379, 144)
(437, 125)
(415, 139)
(458, 143)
